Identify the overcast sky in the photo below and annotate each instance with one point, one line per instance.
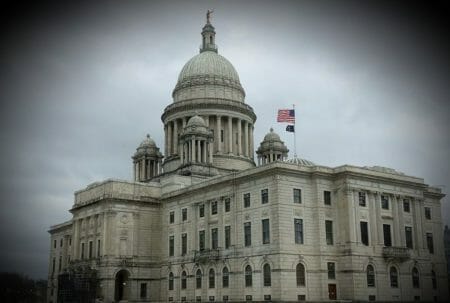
(81, 86)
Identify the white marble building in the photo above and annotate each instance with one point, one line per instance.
(204, 222)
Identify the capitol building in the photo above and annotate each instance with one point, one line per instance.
(212, 217)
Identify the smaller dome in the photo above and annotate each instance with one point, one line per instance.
(148, 142)
(299, 161)
(272, 136)
(196, 121)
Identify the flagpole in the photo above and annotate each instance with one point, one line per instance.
(295, 141)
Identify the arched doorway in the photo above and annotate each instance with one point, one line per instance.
(122, 288)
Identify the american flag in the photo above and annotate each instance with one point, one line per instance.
(286, 115)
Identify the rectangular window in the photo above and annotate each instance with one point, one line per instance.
(408, 237)
(331, 270)
(184, 214)
(53, 265)
(265, 231)
(90, 249)
(198, 298)
(82, 250)
(54, 243)
(384, 202)
(387, 235)
(172, 217)
(214, 238)
(61, 242)
(301, 297)
(227, 204)
(329, 232)
(362, 199)
(327, 197)
(214, 208)
(98, 248)
(201, 210)
(427, 213)
(143, 290)
(406, 205)
(201, 240)
(298, 227)
(183, 244)
(267, 298)
(297, 195)
(430, 243)
(247, 200)
(171, 246)
(364, 233)
(247, 234)
(264, 196)
(227, 237)
(225, 298)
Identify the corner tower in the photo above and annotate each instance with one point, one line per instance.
(209, 86)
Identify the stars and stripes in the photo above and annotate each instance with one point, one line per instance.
(286, 115)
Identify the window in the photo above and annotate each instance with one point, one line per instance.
(267, 275)
(184, 214)
(327, 197)
(98, 248)
(227, 237)
(60, 263)
(300, 274)
(247, 233)
(247, 200)
(265, 231)
(264, 196)
(297, 195)
(201, 210)
(387, 235)
(267, 298)
(214, 208)
(183, 280)
(364, 233)
(433, 279)
(408, 237)
(90, 250)
(384, 202)
(212, 278)
(183, 244)
(214, 238)
(331, 270)
(298, 227)
(372, 298)
(370, 276)
(172, 217)
(427, 213)
(198, 279)
(248, 276)
(143, 290)
(406, 205)
(82, 251)
(393, 277)
(329, 231)
(61, 242)
(362, 198)
(415, 278)
(225, 298)
(171, 246)
(430, 243)
(248, 298)
(170, 281)
(211, 298)
(225, 277)
(301, 297)
(201, 240)
(54, 243)
(227, 204)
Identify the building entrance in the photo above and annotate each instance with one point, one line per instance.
(122, 289)
(332, 292)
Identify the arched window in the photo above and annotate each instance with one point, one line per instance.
(248, 276)
(300, 274)
(225, 277)
(267, 275)
(415, 278)
(393, 276)
(198, 279)
(370, 276)
(171, 281)
(210, 39)
(433, 279)
(212, 278)
(183, 280)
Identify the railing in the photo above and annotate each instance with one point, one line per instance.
(399, 253)
(202, 256)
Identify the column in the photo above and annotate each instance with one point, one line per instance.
(419, 233)
(175, 137)
(135, 171)
(251, 141)
(373, 218)
(230, 135)
(395, 225)
(246, 153)
(199, 151)
(204, 151)
(193, 150)
(181, 148)
(184, 122)
(210, 147)
(169, 138)
(206, 118)
(239, 138)
(218, 131)
(165, 140)
(379, 220)
(401, 223)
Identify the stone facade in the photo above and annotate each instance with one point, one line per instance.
(208, 224)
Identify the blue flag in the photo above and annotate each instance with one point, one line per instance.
(290, 128)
